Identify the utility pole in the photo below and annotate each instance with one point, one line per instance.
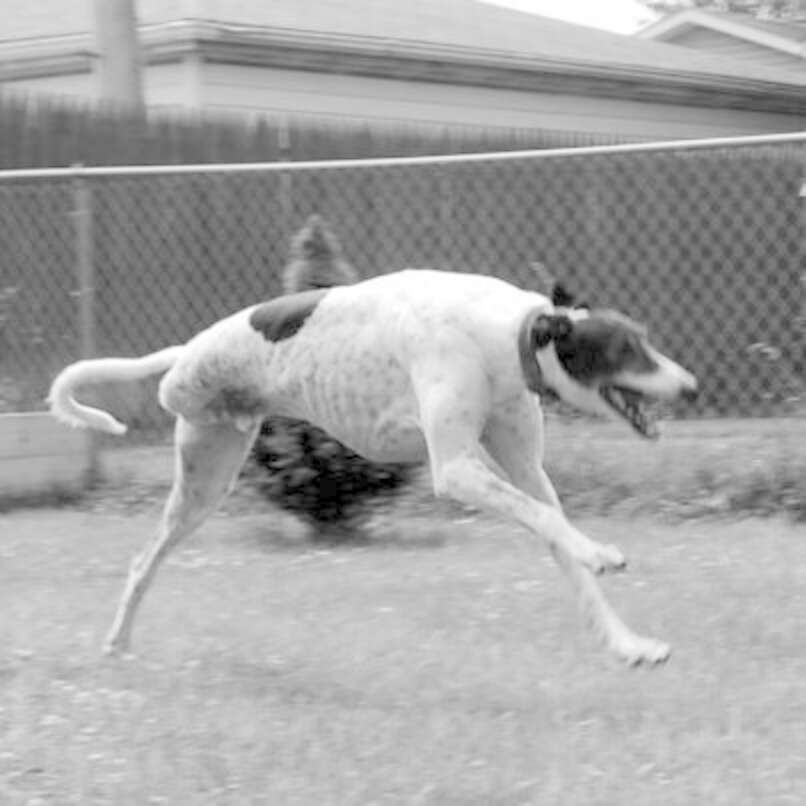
(119, 53)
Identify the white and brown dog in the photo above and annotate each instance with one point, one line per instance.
(407, 367)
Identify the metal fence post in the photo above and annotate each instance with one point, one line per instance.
(802, 289)
(85, 294)
(446, 215)
(286, 190)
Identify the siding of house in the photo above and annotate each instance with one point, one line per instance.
(173, 85)
(69, 85)
(254, 90)
(710, 41)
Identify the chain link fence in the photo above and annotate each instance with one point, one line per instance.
(702, 241)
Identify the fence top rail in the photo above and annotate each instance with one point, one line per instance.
(81, 171)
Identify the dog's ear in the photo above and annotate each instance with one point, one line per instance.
(561, 297)
(550, 327)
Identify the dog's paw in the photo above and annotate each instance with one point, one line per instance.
(117, 650)
(639, 651)
(602, 558)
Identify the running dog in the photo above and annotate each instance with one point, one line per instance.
(413, 366)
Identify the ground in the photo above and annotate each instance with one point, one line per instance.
(442, 664)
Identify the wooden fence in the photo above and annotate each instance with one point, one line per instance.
(38, 132)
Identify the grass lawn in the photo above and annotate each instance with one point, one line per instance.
(443, 665)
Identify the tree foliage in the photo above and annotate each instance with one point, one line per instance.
(766, 9)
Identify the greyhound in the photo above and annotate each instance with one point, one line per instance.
(411, 366)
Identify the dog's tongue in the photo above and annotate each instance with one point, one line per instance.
(639, 412)
(647, 419)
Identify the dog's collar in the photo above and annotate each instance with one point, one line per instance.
(527, 353)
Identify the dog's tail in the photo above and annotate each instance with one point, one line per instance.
(66, 408)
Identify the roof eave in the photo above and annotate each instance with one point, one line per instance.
(45, 66)
(667, 28)
(416, 61)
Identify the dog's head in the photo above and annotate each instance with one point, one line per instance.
(601, 362)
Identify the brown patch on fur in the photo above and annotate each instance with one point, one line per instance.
(281, 318)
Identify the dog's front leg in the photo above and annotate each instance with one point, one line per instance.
(454, 407)
(465, 477)
(514, 437)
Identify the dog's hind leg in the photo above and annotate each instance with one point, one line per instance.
(207, 460)
(512, 438)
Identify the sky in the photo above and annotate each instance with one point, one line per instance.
(622, 16)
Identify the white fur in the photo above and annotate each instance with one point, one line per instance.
(665, 383)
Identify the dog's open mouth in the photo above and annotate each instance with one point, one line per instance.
(634, 407)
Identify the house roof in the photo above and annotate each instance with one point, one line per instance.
(419, 38)
(787, 36)
(470, 25)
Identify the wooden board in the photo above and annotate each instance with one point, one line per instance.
(39, 455)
